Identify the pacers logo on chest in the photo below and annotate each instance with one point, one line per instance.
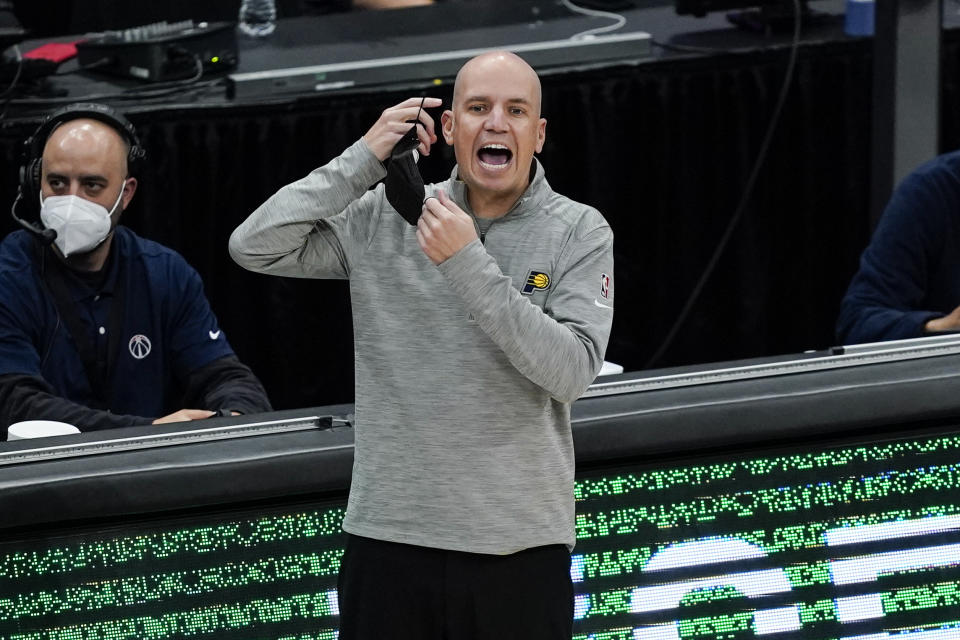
(536, 281)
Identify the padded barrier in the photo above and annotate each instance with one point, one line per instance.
(144, 470)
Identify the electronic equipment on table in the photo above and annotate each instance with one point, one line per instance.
(162, 51)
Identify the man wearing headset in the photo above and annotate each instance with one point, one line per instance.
(101, 328)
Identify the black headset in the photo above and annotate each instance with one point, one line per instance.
(28, 194)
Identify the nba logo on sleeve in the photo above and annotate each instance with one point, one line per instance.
(604, 285)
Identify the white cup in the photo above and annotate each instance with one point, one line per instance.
(610, 369)
(39, 429)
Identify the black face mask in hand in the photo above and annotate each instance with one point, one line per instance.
(404, 184)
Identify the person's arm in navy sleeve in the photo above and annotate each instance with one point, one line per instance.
(948, 323)
(25, 397)
(226, 383)
(886, 296)
(204, 361)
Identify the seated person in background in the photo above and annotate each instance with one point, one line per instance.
(908, 284)
(103, 328)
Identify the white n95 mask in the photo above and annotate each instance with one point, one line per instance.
(81, 225)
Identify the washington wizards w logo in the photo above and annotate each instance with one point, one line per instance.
(139, 346)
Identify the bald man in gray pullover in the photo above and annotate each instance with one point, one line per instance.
(474, 331)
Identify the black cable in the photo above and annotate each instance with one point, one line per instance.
(744, 198)
(197, 74)
(102, 62)
(108, 97)
(16, 75)
(13, 83)
(688, 48)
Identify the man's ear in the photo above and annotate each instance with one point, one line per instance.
(541, 134)
(446, 126)
(129, 188)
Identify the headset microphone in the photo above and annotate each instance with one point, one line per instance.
(44, 235)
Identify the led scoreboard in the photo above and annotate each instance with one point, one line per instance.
(855, 536)
(859, 541)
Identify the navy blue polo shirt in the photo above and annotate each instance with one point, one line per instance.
(167, 329)
(910, 272)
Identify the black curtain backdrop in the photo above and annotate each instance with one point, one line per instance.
(662, 149)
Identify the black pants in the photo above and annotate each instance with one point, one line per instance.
(397, 591)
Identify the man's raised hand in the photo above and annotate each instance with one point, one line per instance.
(395, 122)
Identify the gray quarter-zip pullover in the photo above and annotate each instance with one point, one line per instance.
(464, 371)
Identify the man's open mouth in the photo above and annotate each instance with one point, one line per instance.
(494, 156)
